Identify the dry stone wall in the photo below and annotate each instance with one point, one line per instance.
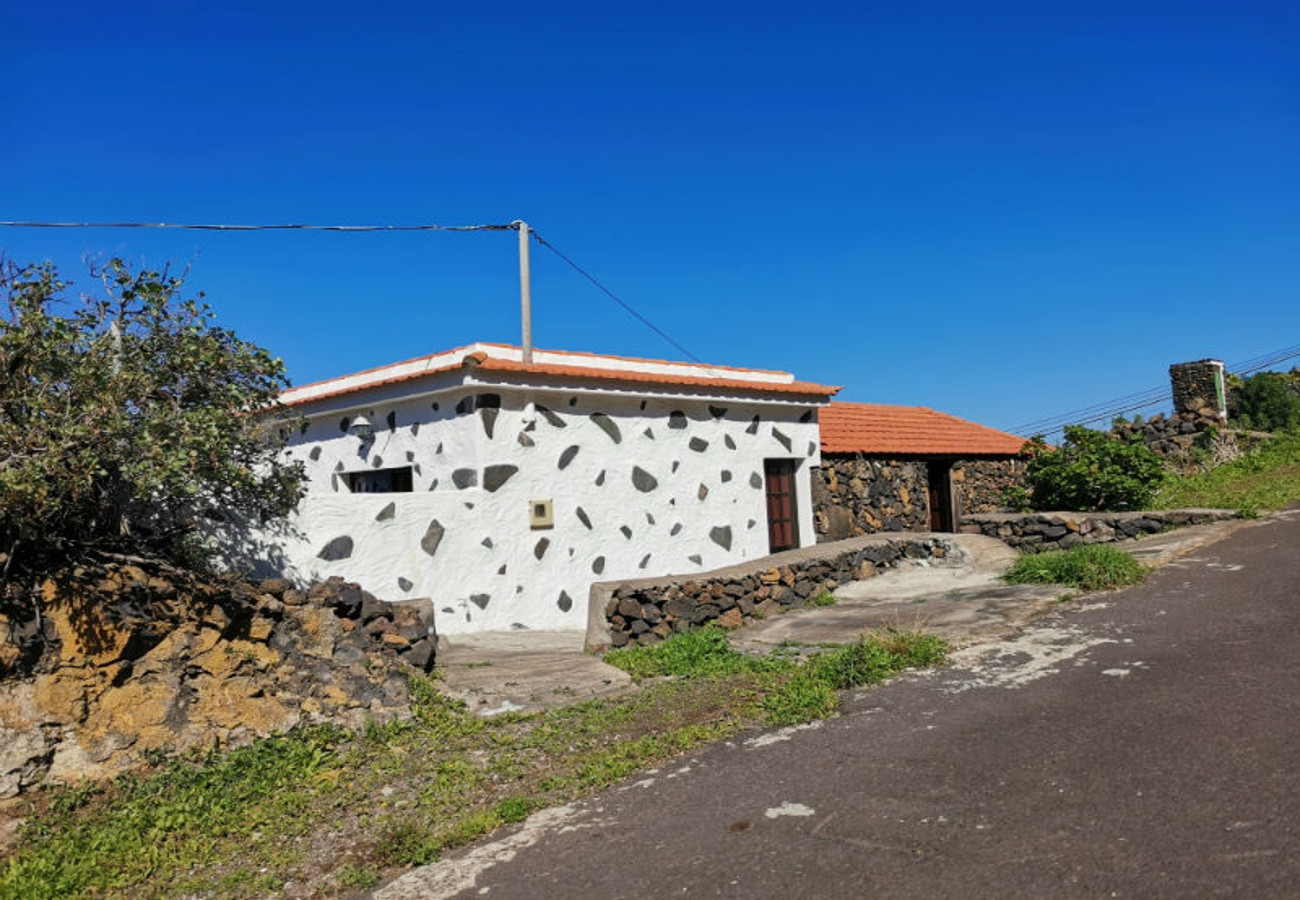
(1062, 530)
(128, 663)
(857, 495)
(646, 611)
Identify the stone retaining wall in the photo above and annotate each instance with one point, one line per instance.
(1062, 530)
(645, 611)
(979, 484)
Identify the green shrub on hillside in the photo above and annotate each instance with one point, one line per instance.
(1093, 471)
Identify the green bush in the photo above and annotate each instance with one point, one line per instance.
(1093, 471)
(1090, 567)
(1267, 401)
(692, 654)
(127, 417)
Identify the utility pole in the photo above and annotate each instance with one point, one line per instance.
(525, 290)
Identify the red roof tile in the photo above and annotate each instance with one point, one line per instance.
(908, 430)
(578, 366)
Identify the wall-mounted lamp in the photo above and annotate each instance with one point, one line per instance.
(360, 427)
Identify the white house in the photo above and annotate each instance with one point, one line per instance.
(503, 489)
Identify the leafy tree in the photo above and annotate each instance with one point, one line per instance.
(1093, 471)
(1267, 401)
(125, 417)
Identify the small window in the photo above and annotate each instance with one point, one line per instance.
(381, 481)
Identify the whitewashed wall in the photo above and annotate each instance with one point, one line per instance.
(640, 486)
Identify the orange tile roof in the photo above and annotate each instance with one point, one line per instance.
(621, 369)
(876, 428)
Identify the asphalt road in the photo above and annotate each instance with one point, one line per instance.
(1143, 743)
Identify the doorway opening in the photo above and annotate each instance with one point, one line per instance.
(938, 477)
(782, 511)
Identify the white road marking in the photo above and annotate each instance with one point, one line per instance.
(790, 809)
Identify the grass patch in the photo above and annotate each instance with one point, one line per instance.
(825, 598)
(336, 812)
(1267, 478)
(1090, 567)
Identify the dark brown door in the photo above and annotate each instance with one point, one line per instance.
(940, 496)
(782, 513)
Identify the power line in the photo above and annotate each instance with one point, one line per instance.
(512, 226)
(611, 295)
(190, 226)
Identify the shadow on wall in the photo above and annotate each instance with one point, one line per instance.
(254, 550)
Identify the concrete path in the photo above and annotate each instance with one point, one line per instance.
(961, 599)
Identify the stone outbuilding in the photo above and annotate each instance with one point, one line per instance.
(907, 468)
(503, 489)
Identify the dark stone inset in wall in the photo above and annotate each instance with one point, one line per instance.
(434, 406)
(469, 505)
(703, 491)
(806, 417)
(600, 478)
(565, 603)
(573, 401)
(495, 476)
(582, 517)
(314, 454)
(334, 481)
(344, 423)
(433, 485)
(781, 438)
(676, 463)
(405, 584)
(488, 415)
(675, 530)
(812, 447)
(755, 480)
(677, 419)
(377, 461)
(554, 420)
(695, 558)
(338, 467)
(464, 478)
(717, 411)
(502, 570)
(627, 532)
(753, 426)
(410, 456)
(480, 600)
(607, 425)
(432, 537)
(416, 469)
(464, 405)
(387, 513)
(649, 519)
(726, 475)
(643, 404)
(438, 449)
(648, 433)
(339, 548)
(525, 441)
(448, 610)
(540, 550)
(645, 560)
(567, 456)
(643, 481)
(598, 565)
(518, 626)
(721, 535)
(487, 542)
(726, 439)
(391, 419)
(699, 445)
(415, 429)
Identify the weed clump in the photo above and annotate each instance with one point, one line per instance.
(1090, 567)
(693, 654)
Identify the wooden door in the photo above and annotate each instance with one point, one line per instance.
(782, 511)
(940, 484)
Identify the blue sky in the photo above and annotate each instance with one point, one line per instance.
(1003, 211)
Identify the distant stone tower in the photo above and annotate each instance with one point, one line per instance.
(1198, 388)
